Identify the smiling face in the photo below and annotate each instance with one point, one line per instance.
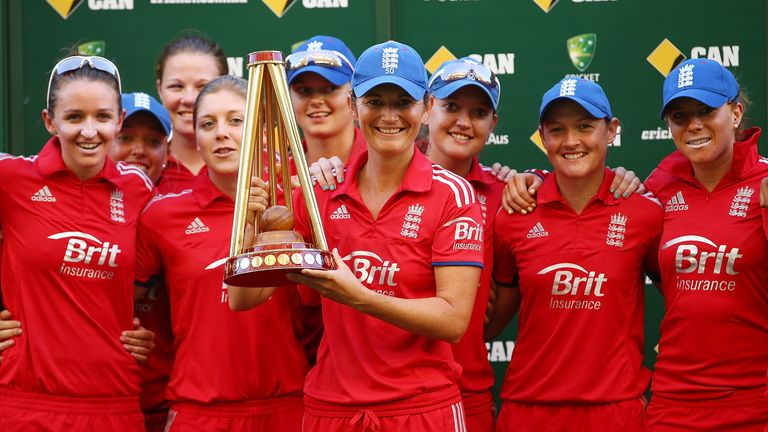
(320, 106)
(219, 130)
(184, 75)
(142, 143)
(389, 119)
(460, 124)
(576, 143)
(86, 119)
(703, 134)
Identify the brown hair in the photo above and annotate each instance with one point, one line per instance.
(191, 43)
(746, 102)
(225, 82)
(86, 73)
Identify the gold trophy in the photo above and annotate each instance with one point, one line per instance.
(277, 249)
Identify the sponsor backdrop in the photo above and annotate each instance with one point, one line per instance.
(626, 46)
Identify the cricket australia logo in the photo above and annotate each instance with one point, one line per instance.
(411, 221)
(581, 49)
(616, 230)
(568, 87)
(685, 79)
(116, 207)
(740, 202)
(389, 60)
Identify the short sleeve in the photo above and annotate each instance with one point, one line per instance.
(504, 264)
(148, 260)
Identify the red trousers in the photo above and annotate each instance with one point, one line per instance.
(23, 412)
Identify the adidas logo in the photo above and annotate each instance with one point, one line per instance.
(676, 203)
(44, 195)
(197, 226)
(537, 231)
(341, 213)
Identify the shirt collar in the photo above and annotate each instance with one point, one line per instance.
(205, 192)
(550, 193)
(49, 162)
(745, 155)
(418, 176)
(480, 174)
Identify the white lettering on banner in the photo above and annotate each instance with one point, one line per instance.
(183, 2)
(235, 65)
(110, 4)
(656, 134)
(497, 139)
(312, 4)
(500, 64)
(725, 55)
(500, 351)
(594, 77)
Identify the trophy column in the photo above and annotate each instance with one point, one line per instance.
(277, 249)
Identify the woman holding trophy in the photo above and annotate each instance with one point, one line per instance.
(256, 388)
(411, 233)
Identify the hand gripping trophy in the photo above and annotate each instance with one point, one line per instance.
(278, 249)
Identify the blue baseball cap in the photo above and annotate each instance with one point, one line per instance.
(456, 74)
(326, 56)
(582, 91)
(390, 63)
(705, 80)
(135, 102)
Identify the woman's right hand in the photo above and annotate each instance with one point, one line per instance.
(327, 172)
(9, 329)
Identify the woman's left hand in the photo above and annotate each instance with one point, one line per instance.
(625, 183)
(139, 342)
(339, 285)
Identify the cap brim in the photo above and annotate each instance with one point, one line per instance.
(134, 110)
(706, 97)
(335, 75)
(414, 90)
(453, 86)
(593, 110)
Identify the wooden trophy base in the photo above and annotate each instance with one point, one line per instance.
(266, 264)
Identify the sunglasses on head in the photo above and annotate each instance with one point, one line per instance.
(465, 70)
(76, 62)
(324, 58)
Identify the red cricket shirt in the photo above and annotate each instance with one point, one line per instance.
(471, 352)
(67, 274)
(581, 280)
(175, 177)
(221, 355)
(433, 220)
(714, 335)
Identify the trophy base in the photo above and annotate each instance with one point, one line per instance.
(266, 265)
